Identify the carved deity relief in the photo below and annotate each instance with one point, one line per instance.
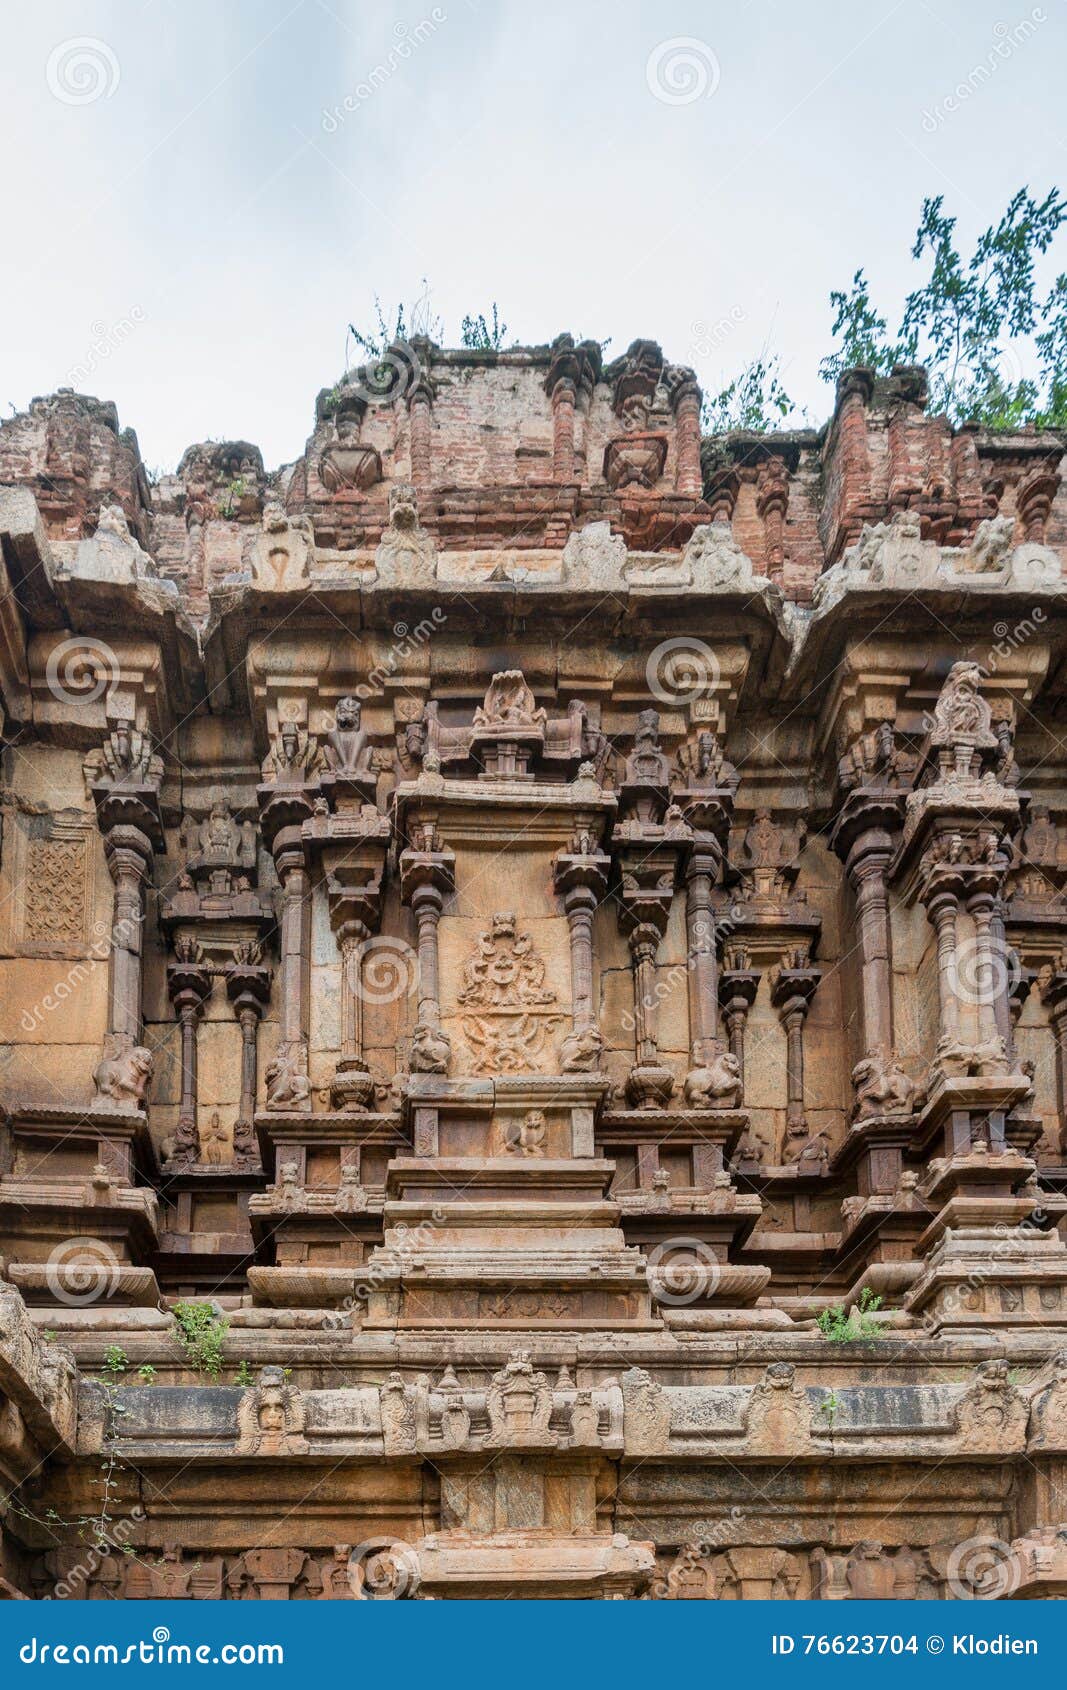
(962, 723)
(218, 842)
(282, 551)
(1048, 1408)
(878, 762)
(769, 857)
(991, 1416)
(509, 703)
(508, 1010)
(779, 1414)
(704, 765)
(519, 1404)
(295, 757)
(407, 552)
(270, 1418)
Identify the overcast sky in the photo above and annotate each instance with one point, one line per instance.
(192, 216)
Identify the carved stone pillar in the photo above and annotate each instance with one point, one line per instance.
(420, 414)
(354, 890)
(189, 986)
(572, 372)
(943, 910)
(128, 853)
(737, 994)
(564, 396)
(248, 989)
(290, 772)
(701, 873)
(295, 961)
(791, 995)
(651, 1081)
(123, 776)
(686, 398)
(581, 879)
(772, 500)
(991, 972)
(427, 875)
(1054, 997)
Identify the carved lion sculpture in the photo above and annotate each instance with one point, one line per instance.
(716, 1084)
(124, 1073)
(882, 1087)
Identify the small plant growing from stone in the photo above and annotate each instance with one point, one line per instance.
(481, 335)
(244, 1375)
(201, 1333)
(147, 1374)
(115, 1361)
(855, 1326)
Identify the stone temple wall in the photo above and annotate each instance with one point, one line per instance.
(533, 998)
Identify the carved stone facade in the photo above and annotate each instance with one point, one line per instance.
(534, 1035)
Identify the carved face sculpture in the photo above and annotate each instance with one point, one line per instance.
(349, 713)
(271, 1416)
